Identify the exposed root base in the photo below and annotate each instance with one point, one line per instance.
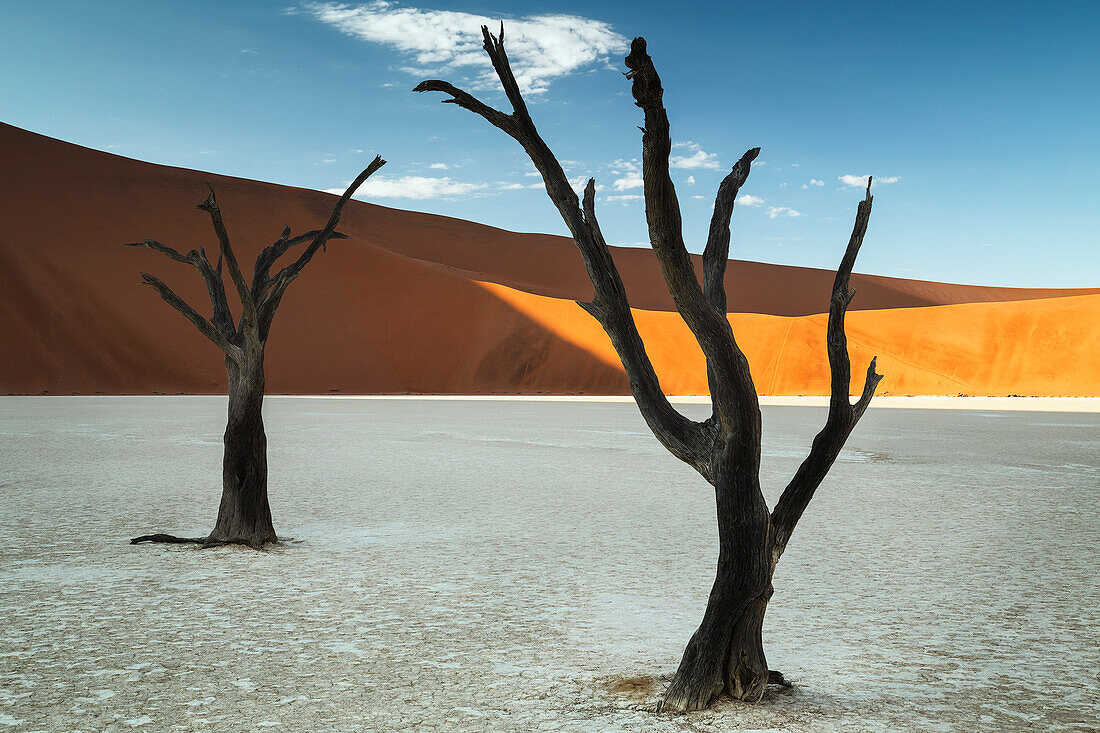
(203, 542)
(777, 678)
(686, 703)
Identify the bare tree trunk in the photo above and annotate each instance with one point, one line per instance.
(726, 653)
(244, 516)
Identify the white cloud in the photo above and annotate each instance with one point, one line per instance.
(413, 187)
(631, 180)
(699, 158)
(861, 181)
(814, 182)
(540, 47)
(777, 211)
(519, 186)
(625, 198)
(690, 180)
(438, 166)
(630, 175)
(748, 200)
(328, 159)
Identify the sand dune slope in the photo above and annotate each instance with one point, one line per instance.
(421, 303)
(1045, 347)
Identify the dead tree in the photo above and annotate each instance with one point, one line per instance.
(244, 516)
(726, 653)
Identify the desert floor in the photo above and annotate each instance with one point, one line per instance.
(535, 565)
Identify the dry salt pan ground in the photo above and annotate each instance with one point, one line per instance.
(514, 565)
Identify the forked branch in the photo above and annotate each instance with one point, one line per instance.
(249, 323)
(205, 327)
(280, 282)
(261, 273)
(212, 277)
(843, 415)
(686, 439)
(733, 393)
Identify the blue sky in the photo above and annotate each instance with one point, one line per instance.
(985, 114)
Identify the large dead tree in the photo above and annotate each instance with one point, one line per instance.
(244, 516)
(726, 653)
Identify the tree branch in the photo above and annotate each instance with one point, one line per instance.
(288, 274)
(468, 101)
(494, 46)
(733, 394)
(222, 318)
(687, 440)
(205, 327)
(843, 415)
(717, 252)
(249, 328)
(174, 254)
(684, 438)
(261, 279)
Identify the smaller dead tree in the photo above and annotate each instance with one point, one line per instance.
(244, 516)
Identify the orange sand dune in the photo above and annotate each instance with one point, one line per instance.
(398, 307)
(1043, 347)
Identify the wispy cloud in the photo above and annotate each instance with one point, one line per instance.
(541, 47)
(814, 182)
(698, 158)
(629, 174)
(414, 187)
(438, 166)
(625, 198)
(777, 211)
(861, 181)
(749, 200)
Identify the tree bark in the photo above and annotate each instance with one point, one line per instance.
(726, 653)
(244, 516)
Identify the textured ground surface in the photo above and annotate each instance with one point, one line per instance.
(534, 566)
